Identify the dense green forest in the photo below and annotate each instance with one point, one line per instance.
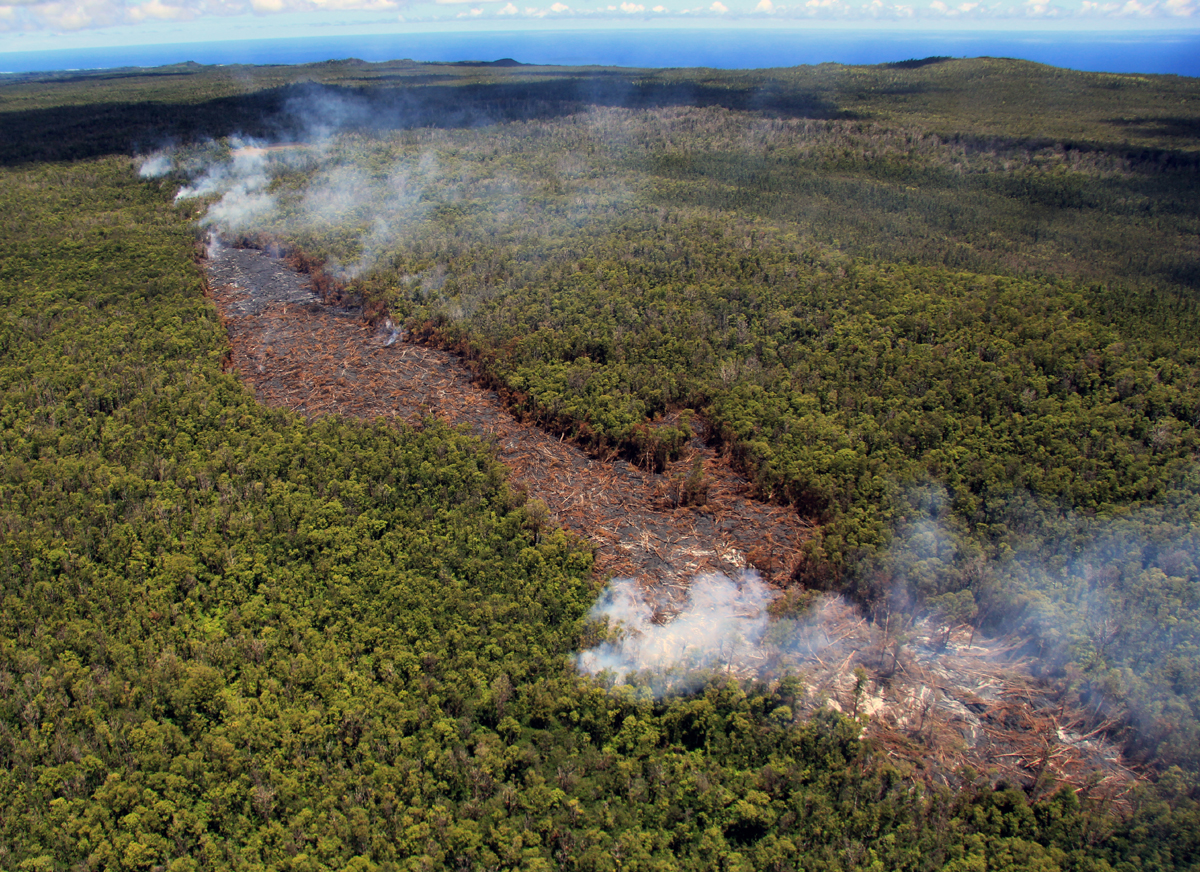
(946, 310)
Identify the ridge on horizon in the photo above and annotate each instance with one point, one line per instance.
(1147, 52)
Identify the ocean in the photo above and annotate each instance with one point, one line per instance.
(1160, 51)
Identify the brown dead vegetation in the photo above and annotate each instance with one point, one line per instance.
(941, 704)
(317, 359)
(938, 700)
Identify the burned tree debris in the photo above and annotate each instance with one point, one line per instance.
(319, 360)
(937, 697)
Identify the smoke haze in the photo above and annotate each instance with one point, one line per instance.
(723, 619)
(1116, 596)
(356, 181)
(241, 183)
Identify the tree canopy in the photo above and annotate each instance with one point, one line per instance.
(947, 312)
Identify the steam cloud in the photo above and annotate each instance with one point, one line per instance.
(722, 619)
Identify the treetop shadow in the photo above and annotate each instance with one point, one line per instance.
(1179, 127)
(915, 63)
(74, 132)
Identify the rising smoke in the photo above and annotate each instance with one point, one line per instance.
(243, 187)
(356, 180)
(241, 184)
(306, 180)
(1091, 594)
(723, 620)
(155, 165)
(1108, 606)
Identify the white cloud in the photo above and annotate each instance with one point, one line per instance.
(155, 9)
(78, 15)
(344, 5)
(73, 15)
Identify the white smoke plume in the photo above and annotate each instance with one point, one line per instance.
(361, 181)
(242, 182)
(240, 179)
(155, 165)
(723, 618)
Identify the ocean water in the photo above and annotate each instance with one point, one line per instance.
(1116, 52)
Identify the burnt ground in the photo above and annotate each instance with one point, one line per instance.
(318, 360)
(942, 698)
(934, 700)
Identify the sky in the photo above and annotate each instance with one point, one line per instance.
(37, 24)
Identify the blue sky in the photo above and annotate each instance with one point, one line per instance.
(35, 24)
